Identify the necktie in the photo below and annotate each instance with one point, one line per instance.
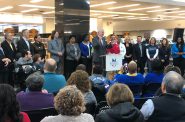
(140, 46)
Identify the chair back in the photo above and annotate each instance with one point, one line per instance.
(150, 89)
(136, 89)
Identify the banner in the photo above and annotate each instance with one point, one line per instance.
(113, 62)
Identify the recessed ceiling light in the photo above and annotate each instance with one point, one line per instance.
(132, 18)
(36, 6)
(50, 12)
(36, 1)
(102, 4)
(160, 10)
(6, 8)
(126, 6)
(139, 9)
(30, 10)
(111, 12)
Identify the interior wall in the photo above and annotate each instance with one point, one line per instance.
(49, 25)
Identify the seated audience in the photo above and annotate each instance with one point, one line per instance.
(156, 75)
(31, 99)
(99, 83)
(37, 62)
(172, 68)
(81, 80)
(52, 82)
(120, 99)
(169, 107)
(25, 59)
(81, 67)
(132, 77)
(9, 110)
(69, 102)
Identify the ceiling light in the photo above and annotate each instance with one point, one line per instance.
(174, 12)
(6, 8)
(50, 12)
(164, 10)
(36, 6)
(179, 1)
(25, 11)
(108, 16)
(102, 4)
(111, 12)
(181, 14)
(139, 9)
(145, 19)
(118, 17)
(95, 14)
(132, 18)
(171, 16)
(36, 1)
(126, 6)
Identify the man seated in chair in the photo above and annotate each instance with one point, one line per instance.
(34, 98)
(132, 78)
(53, 82)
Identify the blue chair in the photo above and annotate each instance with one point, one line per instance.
(136, 89)
(150, 89)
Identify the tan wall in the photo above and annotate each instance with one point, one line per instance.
(49, 25)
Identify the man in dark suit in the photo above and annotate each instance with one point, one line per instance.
(139, 54)
(24, 44)
(99, 45)
(9, 52)
(4, 62)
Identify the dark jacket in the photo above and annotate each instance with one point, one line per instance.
(39, 49)
(137, 52)
(168, 108)
(22, 46)
(122, 112)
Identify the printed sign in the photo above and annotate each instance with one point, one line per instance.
(113, 62)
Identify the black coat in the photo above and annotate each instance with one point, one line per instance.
(122, 112)
(9, 53)
(22, 46)
(137, 52)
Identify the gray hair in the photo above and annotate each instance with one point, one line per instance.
(174, 82)
(35, 82)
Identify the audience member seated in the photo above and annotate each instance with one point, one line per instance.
(69, 102)
(156, 75)
(120, 99)
(81, 80)
(9, 110)
(132, 77)
(52, 82)
(23, 68)
(34, 98)
(81, 67)
(169, 107)
(38, 63)
(99, 83)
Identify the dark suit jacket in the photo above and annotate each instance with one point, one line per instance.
(137, 52)
(99, 49)
(9, 53)
(22, 46)
(2, 65)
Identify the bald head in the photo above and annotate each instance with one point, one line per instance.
(50, 65)
(132, 67)
(172, 83)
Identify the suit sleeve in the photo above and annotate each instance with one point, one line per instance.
(51, 49)
(95, 43)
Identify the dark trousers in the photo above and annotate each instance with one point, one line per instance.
(70, 66)
(88, 63)
(4, 78)
(179, 62)
(141, 64)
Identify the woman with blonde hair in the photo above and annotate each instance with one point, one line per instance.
(129, 49)
(69, 103)
(120, 99)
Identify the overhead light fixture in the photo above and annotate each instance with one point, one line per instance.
(108, 16)
(179, 1)
(61, 4)
(132, 18)
(6, 8)
(126, 6)
(180, 17)
(173, 12)
(118, 17)
(102, 4)
(139, 9)
(181, 14)
(36, 1)
(30, 10)
(145, 19)
(112, 12)
(36, 6)
(50, 12)
(160, 10)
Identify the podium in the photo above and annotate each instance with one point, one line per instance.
(113, 62)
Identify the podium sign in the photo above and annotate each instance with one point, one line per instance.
(113, 62)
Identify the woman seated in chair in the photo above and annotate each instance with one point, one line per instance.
(69, 102)
(120, 99)
(9, 110)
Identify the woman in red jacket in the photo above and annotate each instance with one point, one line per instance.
(113, 46)
(9, 107)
